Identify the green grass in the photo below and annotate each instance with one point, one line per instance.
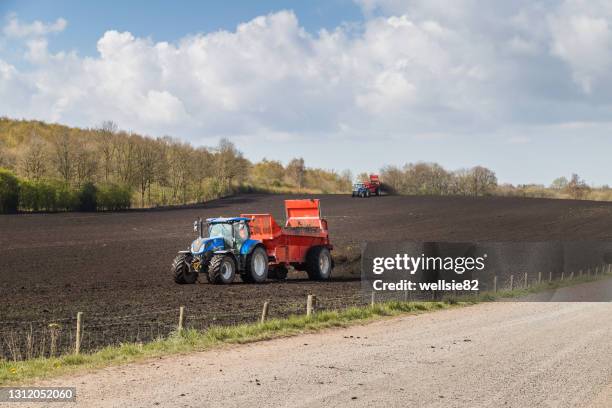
(193, 340)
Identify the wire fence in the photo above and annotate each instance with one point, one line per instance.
(43, 338)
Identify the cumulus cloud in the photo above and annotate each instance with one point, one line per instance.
(18, 29)
(410, 68)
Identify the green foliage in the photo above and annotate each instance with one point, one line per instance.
(113, 197)
(9, 192)
(88, 200)
(66, 198)
(47, 195)
(28, 196)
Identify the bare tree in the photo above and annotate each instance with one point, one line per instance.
(125, 150)
(85, 162)
(393, 178)
(577, 188)
(108, 130)
(229, 163)
(146, 156)
(63, 158)
(296, 170)
(34, 158)
(179, 165)
(484, 181)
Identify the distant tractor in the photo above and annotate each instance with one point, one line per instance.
(255, 247)
(367, 188)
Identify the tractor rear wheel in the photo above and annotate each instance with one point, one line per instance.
(257, 265)
(222, 269)
(181, 270)
(319, 263)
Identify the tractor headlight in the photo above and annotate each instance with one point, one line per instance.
(195, 226)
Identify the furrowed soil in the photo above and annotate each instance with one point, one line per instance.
(112, 265)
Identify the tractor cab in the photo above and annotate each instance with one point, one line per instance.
(223, 233)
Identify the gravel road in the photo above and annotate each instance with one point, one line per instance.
(505, 354)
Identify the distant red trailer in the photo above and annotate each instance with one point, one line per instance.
(302, 243)
(374, 184)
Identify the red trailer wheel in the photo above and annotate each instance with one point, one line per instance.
(319, 263)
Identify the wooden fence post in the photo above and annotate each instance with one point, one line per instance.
(550, 276)
(572, 275)
(373, 301)
(511, 282)
(79, 330)
(562, 275)
(181, 322)
(311, 304)
(539, 278)
(526, 283)
(495, 284)
(264, 311)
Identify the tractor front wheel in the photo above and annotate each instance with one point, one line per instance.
(257, 265)
(319, 263)
(181, 270)
(222, 269)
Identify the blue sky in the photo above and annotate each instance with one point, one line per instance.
(167, 20)
(524, 88)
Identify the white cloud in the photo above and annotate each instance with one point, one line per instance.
(585, 43)
(17, 29)
(411, 68)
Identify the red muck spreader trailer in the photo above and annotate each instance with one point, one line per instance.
(302, 243)
(257, 248)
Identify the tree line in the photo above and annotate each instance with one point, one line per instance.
(53, 167)
(432, 179)
(57, 166)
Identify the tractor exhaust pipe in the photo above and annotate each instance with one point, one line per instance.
(197, 227)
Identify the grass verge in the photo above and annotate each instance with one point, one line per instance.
(193, 340)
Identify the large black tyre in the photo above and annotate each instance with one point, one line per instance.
(319, 263)
(246, 277)
(181, 270)
(257, 265)
(221, 269)
(279, 273)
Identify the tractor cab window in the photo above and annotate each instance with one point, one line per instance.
(241, 233)
(221, 230)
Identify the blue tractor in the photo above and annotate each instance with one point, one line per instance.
(227, 250)
(360, 190)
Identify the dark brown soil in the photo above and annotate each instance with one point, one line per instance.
(116, 264)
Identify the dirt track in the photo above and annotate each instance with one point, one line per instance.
(488, 355)
(112, 264)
